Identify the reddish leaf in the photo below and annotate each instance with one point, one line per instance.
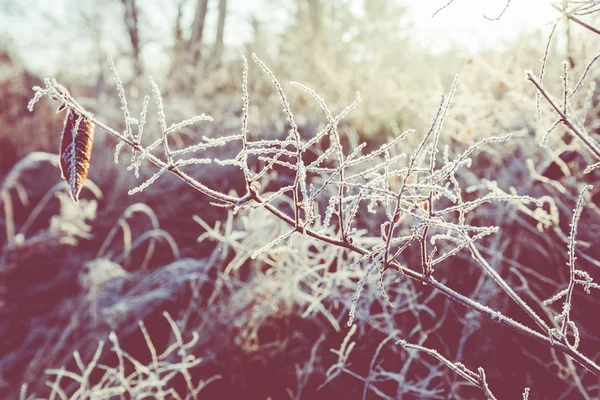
(76, 151)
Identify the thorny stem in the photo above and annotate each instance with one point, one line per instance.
(573, 18)
(174, 170)
(511, 293)
(588, 141)
(571, 263)
(425, 267)
(296, 136)
(478, 380)
(395, 220)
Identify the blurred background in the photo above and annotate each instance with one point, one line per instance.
(71, 274)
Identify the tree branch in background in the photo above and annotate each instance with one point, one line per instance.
(571, 15)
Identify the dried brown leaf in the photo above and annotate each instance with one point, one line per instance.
(76, 151)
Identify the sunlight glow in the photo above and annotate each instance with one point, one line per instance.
(463, 22)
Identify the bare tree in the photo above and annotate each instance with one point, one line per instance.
(131, 23)
(315, 9)
(311, 12)
(220, 31)
(194, 45)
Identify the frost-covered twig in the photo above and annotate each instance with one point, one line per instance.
(566, 315)
(421, 184)
(476, 379)
(578, 131)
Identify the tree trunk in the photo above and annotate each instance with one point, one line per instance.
(194, 45)
(131, 23)
(220, 32)
(315, 10)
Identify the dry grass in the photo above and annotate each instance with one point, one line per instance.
(276, 325)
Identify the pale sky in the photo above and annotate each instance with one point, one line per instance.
(463, 22)
(37, 30)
